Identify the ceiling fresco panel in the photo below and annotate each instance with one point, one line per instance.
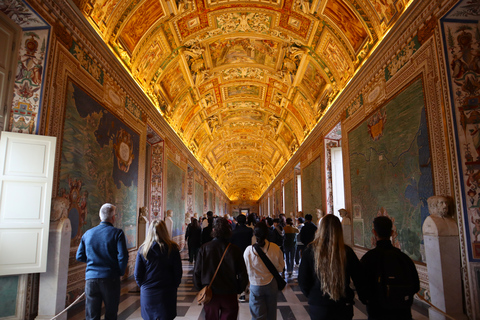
(244, 50)
(137, 25)
(300, 115)
(337, 58)
(145, 66)
(173, 82)
(387, 11)
(296, 23)
(346, 20)
(102, 11)
(243, 90)
(313, 81)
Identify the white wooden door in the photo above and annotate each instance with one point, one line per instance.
(26, 176)
(337, 181)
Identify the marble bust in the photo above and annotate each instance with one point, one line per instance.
(346, 221)
(320, 215)
(169, 223)
(60, 207)
(440, 221)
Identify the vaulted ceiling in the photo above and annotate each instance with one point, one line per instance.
(242, 82)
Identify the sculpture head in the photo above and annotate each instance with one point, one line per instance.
(438, 206)
(60, 207)
(320, 213)
(169, 213)
(343, 213)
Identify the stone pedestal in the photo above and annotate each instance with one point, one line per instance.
(444, 276)
(53, 283)
(347, 234)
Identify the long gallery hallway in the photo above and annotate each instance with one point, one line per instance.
(292, 304)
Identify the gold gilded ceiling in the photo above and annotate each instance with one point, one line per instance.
(242, 82)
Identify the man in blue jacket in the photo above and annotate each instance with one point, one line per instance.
(104, 249)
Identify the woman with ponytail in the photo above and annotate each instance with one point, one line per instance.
(158, 273)
(263, 286)
(325, 272)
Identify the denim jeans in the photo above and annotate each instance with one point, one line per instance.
(263, 301)
(98, 290)
(289, 257)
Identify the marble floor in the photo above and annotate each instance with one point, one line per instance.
(292, 304)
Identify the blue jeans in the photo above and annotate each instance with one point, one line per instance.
(98, 290)
(263, 301)
(289, 257)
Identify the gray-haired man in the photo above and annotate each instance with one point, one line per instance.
(104, 249)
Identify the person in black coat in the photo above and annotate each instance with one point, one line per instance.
(242, 235)
(193, 236)
(307, 234)
(376, 262)
(231, 279)
(158, 273)
(207, 231)
(325, 271)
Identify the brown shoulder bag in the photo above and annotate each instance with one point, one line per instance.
(205, 295)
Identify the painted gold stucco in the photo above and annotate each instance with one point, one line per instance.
(242, 82)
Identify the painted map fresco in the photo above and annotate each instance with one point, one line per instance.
(312, 188)
(210, 201)
(278, 202)
(390, 170)
(8, 294)
(289, 198)
(99, 165)
(218, 209)
(176, 196)
(462, 43)
(198, 199)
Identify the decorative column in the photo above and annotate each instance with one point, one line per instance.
(442, 250)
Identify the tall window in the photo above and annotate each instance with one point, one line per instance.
(299, 193)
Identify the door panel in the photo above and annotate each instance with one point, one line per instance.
(26, 176)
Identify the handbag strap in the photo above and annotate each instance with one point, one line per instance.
(267, 261)
(218, 267)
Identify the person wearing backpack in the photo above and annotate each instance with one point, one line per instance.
(391, 276)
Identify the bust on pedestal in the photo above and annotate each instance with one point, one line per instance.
(442, 250)
(53, 282)
(347, 226)
(169, 223)
(320, 215)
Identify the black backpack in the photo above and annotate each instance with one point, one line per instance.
(394, 288)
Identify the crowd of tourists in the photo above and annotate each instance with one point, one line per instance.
(244, 256)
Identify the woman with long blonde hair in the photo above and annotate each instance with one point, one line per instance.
(158, 273)
(325, 272)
